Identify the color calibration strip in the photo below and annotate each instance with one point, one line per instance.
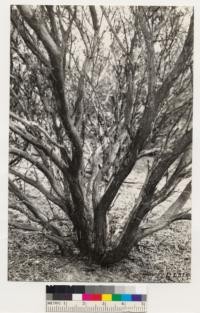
(94, 293)
(96, 299)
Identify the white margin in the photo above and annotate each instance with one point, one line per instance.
(24, 297)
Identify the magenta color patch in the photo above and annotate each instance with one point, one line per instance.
(87, 297)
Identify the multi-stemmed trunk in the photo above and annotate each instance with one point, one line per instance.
(87, 213)
(92, 234)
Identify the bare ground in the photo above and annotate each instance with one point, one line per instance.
(163, 257)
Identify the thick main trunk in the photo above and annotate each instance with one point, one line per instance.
(98, 250)
(100, 231)
(125, 243)
(84, 232)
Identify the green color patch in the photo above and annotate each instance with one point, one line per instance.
(116, 297)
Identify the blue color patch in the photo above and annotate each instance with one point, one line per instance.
(137, 298)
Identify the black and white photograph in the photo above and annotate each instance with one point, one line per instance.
(100, 143)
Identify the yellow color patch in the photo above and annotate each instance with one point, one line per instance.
(106, 297)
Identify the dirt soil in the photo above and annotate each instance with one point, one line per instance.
(163, 257)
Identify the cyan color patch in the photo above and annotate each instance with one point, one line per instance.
(126, 297)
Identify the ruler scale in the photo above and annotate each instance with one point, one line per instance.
(124, 299)
(74, 306)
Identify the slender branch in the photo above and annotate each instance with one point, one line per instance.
(180, 66)
(114, 32)
(32, 19)
(142, 206)
(182, 216)
(34, 125)
(54, 29)
(42, 219)
(19, 208)
(36, 184)
(35, 211)
(94, 17)
(145, 125)
(30, 44)
(79, 26)
(180, 172)
(58, 77)
(27, 227)
(78, 110)
(55, 239)
(178, 204)
(40, 166)
(157, 171)
(148, 37)
(149, 153)
(138, 140)
(39, 144)
(170, 215)
(163, 225)
(23, 226)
